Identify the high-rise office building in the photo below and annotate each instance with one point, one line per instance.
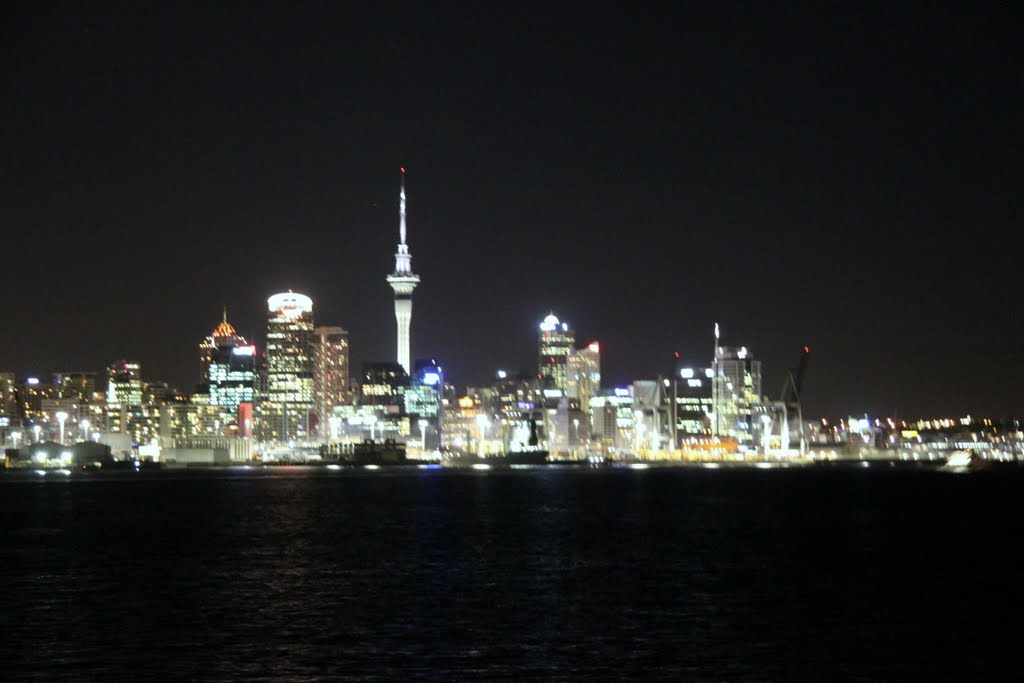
(224, 335)
(613, 420)
(584, 374)
(384, 384)
(514, 394)
(31, 392)
(231, 377)
(692, 403)
(288, 401)
(736, 393)
(228, 365)
(330, 372)
(555, 342)
(125, 410)
(124, 384)
(76, 385)
(652, 421)
(403, 282)
(423, 403)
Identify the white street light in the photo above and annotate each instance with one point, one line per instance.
(35, 430)
(61, 418)
(84, 427)
(423, 434)
(335, 423)
(372, 419)
(15, 437)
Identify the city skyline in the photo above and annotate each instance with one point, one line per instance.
(486, 341)
(159, 169)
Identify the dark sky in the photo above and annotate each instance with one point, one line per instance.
(842, 175)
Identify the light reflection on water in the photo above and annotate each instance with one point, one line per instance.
(299, 574)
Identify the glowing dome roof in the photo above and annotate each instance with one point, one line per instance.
(290, 303)
(550, 323)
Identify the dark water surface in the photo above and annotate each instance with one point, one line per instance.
(311, 574)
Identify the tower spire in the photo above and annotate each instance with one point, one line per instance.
(403, 258)
(403, 281)
(401, 209)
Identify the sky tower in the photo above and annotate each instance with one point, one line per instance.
(403, 281)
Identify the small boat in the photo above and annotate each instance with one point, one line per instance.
(966, 461)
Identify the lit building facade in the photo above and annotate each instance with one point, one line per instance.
(613, 421)
(124, 384)
(222, 335)
(652, 428)
(228, 365)
(736, 393)
(158, 393)
(693, 404)
(380, 412)
(197, 418)
(31, 393)
(468, 428)
(584, 374)
(231, 377)
(77, 385)
(139, 423)
(384, 384)
(555, 343)
(284, 413)
(330, 373)
(423, 403)
(514, 394)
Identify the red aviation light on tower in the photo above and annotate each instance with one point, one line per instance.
(807, 349)
(402, 169)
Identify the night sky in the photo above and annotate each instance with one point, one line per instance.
(831, 174)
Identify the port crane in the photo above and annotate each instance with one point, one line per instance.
(790, 403)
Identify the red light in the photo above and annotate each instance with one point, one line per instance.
(807, 349)
(677, 354)
(403, 169)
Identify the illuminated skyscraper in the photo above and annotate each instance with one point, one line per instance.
(223, 335)
(330, 372)
(232, 377)
(403, 281)
(228, 364)
(423, 403)
(288, 402)
(584, 374)
(555, 342)
(736, 392)
(124, 384)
